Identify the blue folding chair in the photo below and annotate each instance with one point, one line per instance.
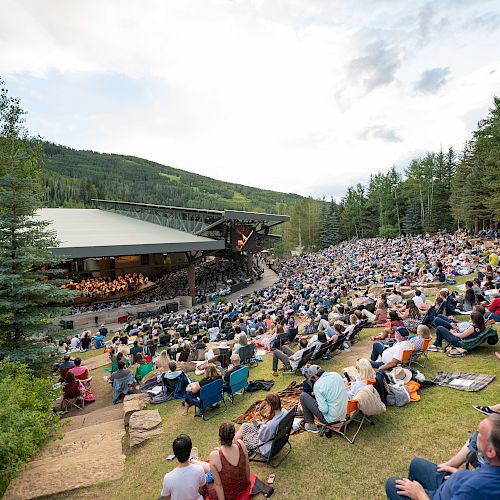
(210, 395)
(238, 382)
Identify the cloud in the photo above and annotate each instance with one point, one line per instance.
(488, 20)
(425, 17)
(432, 80)
(379, 132)
(377, 67)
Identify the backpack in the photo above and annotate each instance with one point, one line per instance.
(398, 395)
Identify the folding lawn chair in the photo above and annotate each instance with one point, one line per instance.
(246, 353)
(238, 382)
(280, 439)
(78, 402)
(341, 426)
(306, 357)
(210, 395)
(422, 354)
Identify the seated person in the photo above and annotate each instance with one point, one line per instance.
(163, 361)
(183, 354)
(81, 372)
(242, 341)
(187, 480)
(122, 372)
(229, 466)
(289, 358)
(234, 366)
(120, 356)
(328, 403)
(256, 435)
(99, 340)
(453, 336)
(136, 349)
(359, 376)
(72, 389)
(193, 389)
(391, 356)
(318, 342)
(85, 341)
(428, 480)
(141, 367)
(65, 367)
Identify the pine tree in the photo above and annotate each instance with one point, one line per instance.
(28, 280)
(330, 226)
(412, 222)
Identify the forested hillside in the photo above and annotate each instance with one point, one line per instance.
(440, 190)
(73, 178)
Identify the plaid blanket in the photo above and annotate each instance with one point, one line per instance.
(289, 398)
(479, 380)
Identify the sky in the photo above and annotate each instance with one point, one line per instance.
(302, 96)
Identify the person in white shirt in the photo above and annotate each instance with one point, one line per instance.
(391, 356)
(419, 298)
(186, 481)
(75, 343)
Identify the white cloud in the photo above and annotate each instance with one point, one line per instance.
(276, 94)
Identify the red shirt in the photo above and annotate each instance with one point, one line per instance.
(80, 372)
(494, 307)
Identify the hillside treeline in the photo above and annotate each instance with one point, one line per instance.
(441, 190)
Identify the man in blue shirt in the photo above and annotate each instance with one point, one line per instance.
(428, 481)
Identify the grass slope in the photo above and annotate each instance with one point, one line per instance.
(433, 428)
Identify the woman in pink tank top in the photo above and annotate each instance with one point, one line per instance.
(230, 467)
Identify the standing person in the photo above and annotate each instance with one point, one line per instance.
(186, 481)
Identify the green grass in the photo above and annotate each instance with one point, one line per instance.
(434, 428)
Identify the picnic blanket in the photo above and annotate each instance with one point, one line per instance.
(463, 381)
(289, 398)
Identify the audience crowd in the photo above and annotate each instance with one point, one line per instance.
(329, 295)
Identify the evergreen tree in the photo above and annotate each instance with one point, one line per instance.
(330, 226)
(412, 223)
(28, 282)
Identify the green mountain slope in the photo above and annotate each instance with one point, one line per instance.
(73, 178)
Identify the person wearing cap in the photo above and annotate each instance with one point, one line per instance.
(328, 403)
(428, 480)
(391, 356)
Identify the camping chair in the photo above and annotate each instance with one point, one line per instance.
(306, 357)
(280, 439)
(351, 334)
(341, 426)
(78, 402)
(224, 357)
(280, 341)
(407, 356)
(416, 355)
(246, 353)
(210, 395)
(323, 351)
(489, 335)
(238, 382)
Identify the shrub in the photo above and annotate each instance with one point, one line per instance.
(26, 417)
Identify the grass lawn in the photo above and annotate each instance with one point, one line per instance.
(318, 467)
